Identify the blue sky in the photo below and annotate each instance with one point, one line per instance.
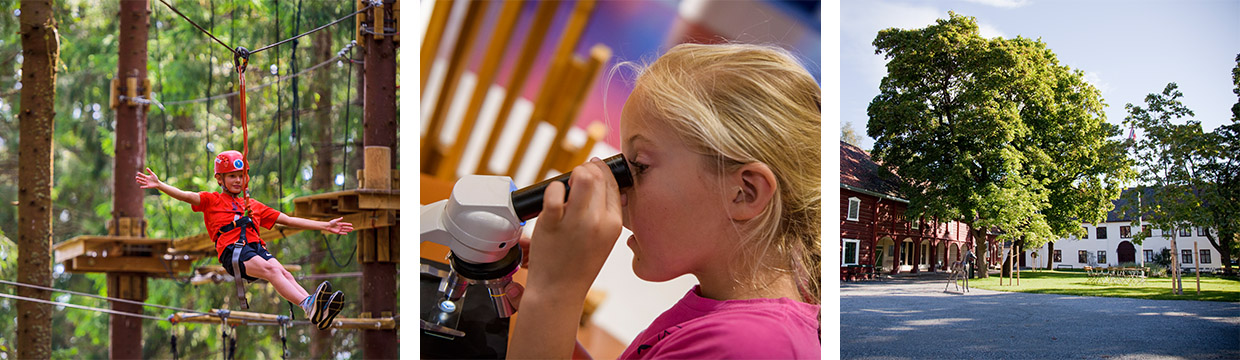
(1127, 49)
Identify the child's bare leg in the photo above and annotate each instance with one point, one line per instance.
(289, 276)
(273, 272)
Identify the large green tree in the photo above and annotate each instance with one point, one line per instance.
(993, 133)
(1191, 177)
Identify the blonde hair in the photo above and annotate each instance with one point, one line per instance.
(738, 104)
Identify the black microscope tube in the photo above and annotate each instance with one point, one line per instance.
(528, 201)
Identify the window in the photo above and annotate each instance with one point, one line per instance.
(1145, 231)
(1086, 233)
(916, 224)
(906, 253)
(1058, 256)
(851, 253)
(1102, 232)
(1186, 232)
(1082, 256)
(854, 209)
(1102, 256)
(1149, 255)
(1205, 256)
(1186, 256)
(1201, 231)
(1125, 232)
(925, 253)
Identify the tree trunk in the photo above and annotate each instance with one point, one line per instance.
(981, 246)
(41, 49)
(1050, 255)
(324, 172)
(1223, 245)
(380, 115)
(1176, 285)
(130, 149)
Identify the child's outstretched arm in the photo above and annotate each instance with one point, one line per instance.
(150, 180)
(334, 226)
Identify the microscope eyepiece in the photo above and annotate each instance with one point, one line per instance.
(528, 201)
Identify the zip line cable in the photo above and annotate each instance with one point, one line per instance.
(126, 301)
(109, 311)
(247, 53)
(204, 31)
(256, 87)
(346, 17)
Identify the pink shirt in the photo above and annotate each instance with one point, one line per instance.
(701, 328)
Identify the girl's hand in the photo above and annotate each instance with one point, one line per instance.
(148, 180)
(573, 239)
(338, 227)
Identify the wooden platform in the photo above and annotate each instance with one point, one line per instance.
(245, 317)
(339, 203)
(91, 253)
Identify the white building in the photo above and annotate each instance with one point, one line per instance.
(1111, 244)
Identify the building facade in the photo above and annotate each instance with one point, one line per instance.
(874, 232)
(1111, 243)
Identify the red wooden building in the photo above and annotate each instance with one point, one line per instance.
(873, 225)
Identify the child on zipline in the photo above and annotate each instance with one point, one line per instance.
(232, 223)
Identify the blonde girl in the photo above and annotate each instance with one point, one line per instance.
(723, 142)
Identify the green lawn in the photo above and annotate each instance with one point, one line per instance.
(1074, 283)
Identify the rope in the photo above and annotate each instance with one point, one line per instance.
(76, 306)
(332, 253)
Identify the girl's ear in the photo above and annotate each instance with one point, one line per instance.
(753, 187)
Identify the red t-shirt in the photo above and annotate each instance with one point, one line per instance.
(219, 209)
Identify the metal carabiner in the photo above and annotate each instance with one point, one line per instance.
(241, 58)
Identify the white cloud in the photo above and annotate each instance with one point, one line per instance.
(1002, 3)
(1095, 79)
(989, 31)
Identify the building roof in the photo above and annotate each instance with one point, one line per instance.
(859, 172)
(1122, 210)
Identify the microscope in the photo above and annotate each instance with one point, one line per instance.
(480, 223)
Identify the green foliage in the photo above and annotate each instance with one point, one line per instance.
(993, 132)
(1190, 177)
(183, 64)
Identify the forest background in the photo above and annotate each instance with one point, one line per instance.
(305, 138)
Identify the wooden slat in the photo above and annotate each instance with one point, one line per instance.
(383, 248)
(378, 160)
(486, 75)
(241, 317)
(529, 52)
(555, 77)
(147, 265)
(578, 85)
(80, 245)
(457, 63)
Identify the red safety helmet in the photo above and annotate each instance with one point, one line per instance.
(230, 161)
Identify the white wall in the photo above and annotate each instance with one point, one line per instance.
(1070, 246)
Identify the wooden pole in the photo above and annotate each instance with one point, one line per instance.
(1197, 265)
(378, 292)
(34, 206)
(127, 211)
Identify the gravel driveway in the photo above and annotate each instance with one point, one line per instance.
(913, 318)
